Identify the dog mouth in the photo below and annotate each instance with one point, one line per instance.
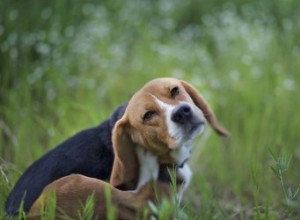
(184, 142)
(197, 128)
(191, 130)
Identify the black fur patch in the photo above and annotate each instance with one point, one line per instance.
(88, 152)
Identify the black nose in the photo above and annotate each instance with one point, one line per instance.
(182, 114)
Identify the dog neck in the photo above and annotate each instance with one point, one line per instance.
(148, 168)
(182, 153)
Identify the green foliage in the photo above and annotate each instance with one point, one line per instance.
(168, 208)
(110, 208)
(48, 207)
(88, 208)
(280, 167)
(65, 65)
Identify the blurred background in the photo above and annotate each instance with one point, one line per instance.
(66, 65)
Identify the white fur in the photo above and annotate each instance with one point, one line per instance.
(149, 166)
(182, 153)
(186, 173)
(173, 129)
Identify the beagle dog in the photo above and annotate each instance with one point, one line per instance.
(164, 116)
(157, 129)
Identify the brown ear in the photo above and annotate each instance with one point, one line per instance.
(125, 167)
(208, 113)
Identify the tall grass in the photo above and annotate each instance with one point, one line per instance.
(65, 65)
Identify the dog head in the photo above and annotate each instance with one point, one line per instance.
(163, 117)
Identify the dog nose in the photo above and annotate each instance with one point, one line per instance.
(182, 114)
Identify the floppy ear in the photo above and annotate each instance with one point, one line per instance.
(208, 113)
(125, 167)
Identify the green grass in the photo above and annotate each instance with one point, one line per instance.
(65, 65)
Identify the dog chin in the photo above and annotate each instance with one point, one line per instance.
(197, 130)
(182, 154)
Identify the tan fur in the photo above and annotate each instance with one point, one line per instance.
(73, 191)
(131, 131)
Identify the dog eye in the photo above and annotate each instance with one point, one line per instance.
(174, 92)
(148, 115)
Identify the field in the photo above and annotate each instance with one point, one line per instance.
(65, 66)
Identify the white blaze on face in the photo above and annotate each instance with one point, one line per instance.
(173, 129)
(183, 151)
